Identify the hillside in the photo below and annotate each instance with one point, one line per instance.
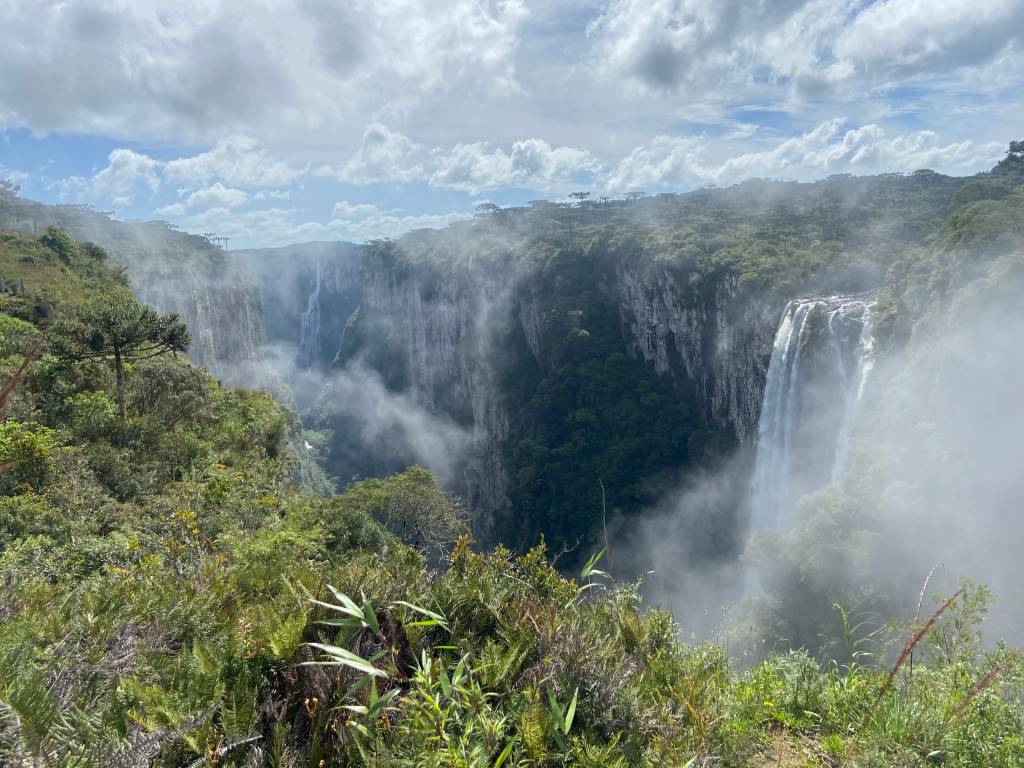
(172, 270)
(164, 578)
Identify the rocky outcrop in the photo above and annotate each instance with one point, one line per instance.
(224, 313)
(700, 331)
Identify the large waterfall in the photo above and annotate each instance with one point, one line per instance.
(820, 364)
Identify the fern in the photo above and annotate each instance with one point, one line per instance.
(533, 732)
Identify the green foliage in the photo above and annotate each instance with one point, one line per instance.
(116, 327)
(27, 456)
(171, 598)
(412, 507)
(92, 415)
(16, 336)
(93, 251)
(979, 243)
(60, 243)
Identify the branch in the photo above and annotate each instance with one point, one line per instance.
(13, 382)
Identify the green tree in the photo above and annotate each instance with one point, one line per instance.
(93, 251)
(117, 327)
(412, 507)
(58, 241)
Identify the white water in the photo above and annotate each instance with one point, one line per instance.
(784, 468)
(309, 339)
(865, 356)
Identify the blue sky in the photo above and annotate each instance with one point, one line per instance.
(274, 121)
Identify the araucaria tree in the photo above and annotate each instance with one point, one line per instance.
(117, 327)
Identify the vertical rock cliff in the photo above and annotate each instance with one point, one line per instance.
(703, 332)
(221, 305)
(452, 343)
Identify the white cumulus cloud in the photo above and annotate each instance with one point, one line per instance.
(670, 161)
(235, 160)
(385, 155)
(217, 196)
(124, 172)
(531, 163)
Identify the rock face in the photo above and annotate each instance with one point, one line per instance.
(225, 315)
(440, 337)
(702, 333)
(426, 338)
(445, 332)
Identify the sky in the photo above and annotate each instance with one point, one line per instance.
(277, 121)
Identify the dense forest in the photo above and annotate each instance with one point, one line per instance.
(184, 585)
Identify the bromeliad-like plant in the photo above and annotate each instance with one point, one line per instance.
(356, 618)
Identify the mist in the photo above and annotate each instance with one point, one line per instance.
(385, 431)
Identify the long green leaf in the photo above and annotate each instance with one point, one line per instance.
(345, 600)
(571, 713)
(348, 659)
(354, 613)
(504, 755)
(435, 618)
(371, 617)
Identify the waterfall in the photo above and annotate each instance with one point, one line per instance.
(865, 356)
(309, 339)
(821, 361)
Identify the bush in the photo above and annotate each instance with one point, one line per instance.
(16, 336)
(93, 416)
(28, 455)
(93, 251)
(58, 241)
(169, 391)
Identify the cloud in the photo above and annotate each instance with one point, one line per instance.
(384, 155)
(235, 160)
(193, 71)
(906, 37)
(362, 222)
(357, 222)
(531, 163)
(347, 210)
(10, 174)
(174, 209)
(687, 161)
(688, 45)
(273, 194)
(733, 47)
(482, 95)
(390, 156)
(217, 196)
(124, 172)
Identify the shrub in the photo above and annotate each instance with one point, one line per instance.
(93, 415)
(28, 454)
(93, 251)
(16, 336)
(58, 241)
